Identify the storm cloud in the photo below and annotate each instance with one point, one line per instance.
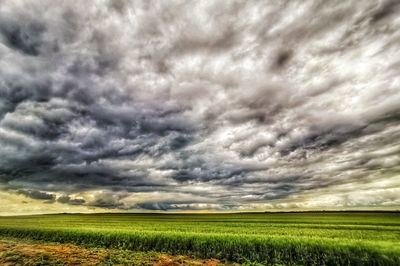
(201, 105)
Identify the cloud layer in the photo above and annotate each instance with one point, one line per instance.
(200, 105)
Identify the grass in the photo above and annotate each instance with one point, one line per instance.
(330, 238)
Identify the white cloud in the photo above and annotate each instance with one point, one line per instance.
(221, 104)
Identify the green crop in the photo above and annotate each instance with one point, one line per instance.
(341, 238)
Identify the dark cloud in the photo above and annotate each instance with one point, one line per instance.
(385, 9)
(220, 105)
(24, 38)
(34, 194)
(156, 206)
(67, 199)
(179, 205)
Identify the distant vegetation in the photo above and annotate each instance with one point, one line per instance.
(354, 238)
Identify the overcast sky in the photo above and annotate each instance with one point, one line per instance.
(199, 105)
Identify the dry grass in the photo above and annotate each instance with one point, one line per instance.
(16, 252)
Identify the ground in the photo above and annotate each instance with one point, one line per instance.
(27, 252)
(308, 238)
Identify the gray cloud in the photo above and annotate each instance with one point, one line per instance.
(200, 105)
(67, 199)
(34, 194)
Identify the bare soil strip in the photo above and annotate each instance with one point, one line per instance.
(25, 252)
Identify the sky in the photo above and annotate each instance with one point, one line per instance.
(199, 106)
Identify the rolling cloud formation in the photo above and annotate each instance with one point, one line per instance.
(201, 105)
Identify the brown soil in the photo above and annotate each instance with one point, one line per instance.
(20, 252)
(66, 253)
(167, 260)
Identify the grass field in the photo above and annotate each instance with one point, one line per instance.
(330, 238)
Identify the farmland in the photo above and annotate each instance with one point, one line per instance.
(324, 238)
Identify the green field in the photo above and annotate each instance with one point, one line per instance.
(326, 238)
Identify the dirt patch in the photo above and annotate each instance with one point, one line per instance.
(20, 252)
(168, 260)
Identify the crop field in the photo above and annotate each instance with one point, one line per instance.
(326, 238)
